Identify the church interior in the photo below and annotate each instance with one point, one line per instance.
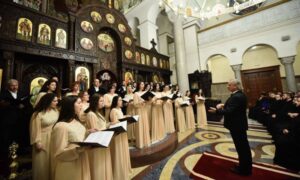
(139, 89)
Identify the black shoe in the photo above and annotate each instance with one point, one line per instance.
(236, 170)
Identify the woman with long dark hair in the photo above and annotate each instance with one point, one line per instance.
(69, 161)
(158, 131)
(99, 158)
(119, 146)
(75, 87)
(44, 117)
(168, 110)
(108, 99)
(142, 127)
(180, 116)
(189, 112)
(50, 86)
(201, 110)
(130, 111)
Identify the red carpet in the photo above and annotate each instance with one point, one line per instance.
(218, 167)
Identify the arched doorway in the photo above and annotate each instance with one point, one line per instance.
(261, 71)
(221, 71)
(107, 78)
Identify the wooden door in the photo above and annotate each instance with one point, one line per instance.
(258, 80)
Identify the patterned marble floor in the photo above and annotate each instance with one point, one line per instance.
(213, 138)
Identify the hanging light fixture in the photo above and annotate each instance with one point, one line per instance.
(196, 8)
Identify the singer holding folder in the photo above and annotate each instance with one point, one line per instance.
(119, 146)
(130, 111)
(142, 128)
(69, 161)
(158, 131)
(168, 111)
(99, 158)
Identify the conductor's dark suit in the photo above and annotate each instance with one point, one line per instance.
(235, 120)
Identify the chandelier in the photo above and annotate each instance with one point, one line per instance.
(206, 9)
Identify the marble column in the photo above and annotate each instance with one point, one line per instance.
(180, 51)
(289, 72)
(237, 71)
(147, 33)
(8, 72)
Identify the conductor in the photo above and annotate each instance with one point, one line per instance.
(235, 120)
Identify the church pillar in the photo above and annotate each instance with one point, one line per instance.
(71, 34)
(180, 52)
(289, 72)
(9, 58)
(44, 6)
(237, 71)
(147, 33)
(71, 64)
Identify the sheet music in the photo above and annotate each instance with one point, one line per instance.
(100, 137)
(122, 124)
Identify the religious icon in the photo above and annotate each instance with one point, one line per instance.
(86, 43)
(116, 5)
(161, 65)
(44, 34)
(86, 26)
(167, 64)
(137, 57)
(96, 17)
(105, 42)
(60, 38)
(128, 41)
(143, 60)
(147, 59)
(110, 18)
(154, 61)
(128, 77)
(121, 28)
(35, 87)
(1, 72)
(128, 54)
(82, 75)
(155, 78)
(24, 31)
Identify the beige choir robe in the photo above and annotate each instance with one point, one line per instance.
(141, 127)
(168, 113)
(158, 131)
(40, 132)
(99, 158)
(189, 115)
(180, 116)
(201, 112)
(130, 111)
(107, 104)
(120, 150)
(68, 161)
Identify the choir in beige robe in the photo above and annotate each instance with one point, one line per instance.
(38, 98)
(201, 112)
(99, 158)
(68, 161)
(142, 128)
(158, 131)
(180, 116)
(120, 150)
(168, 113)
(107, 104)
(130, 111)
(40, 133)
(189, 115)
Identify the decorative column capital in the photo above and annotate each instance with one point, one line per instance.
(236, 67)
(287, 60)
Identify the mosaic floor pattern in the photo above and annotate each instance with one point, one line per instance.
(214, 138)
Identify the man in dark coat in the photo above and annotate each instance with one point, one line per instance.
(235, 120)
(13, 124)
